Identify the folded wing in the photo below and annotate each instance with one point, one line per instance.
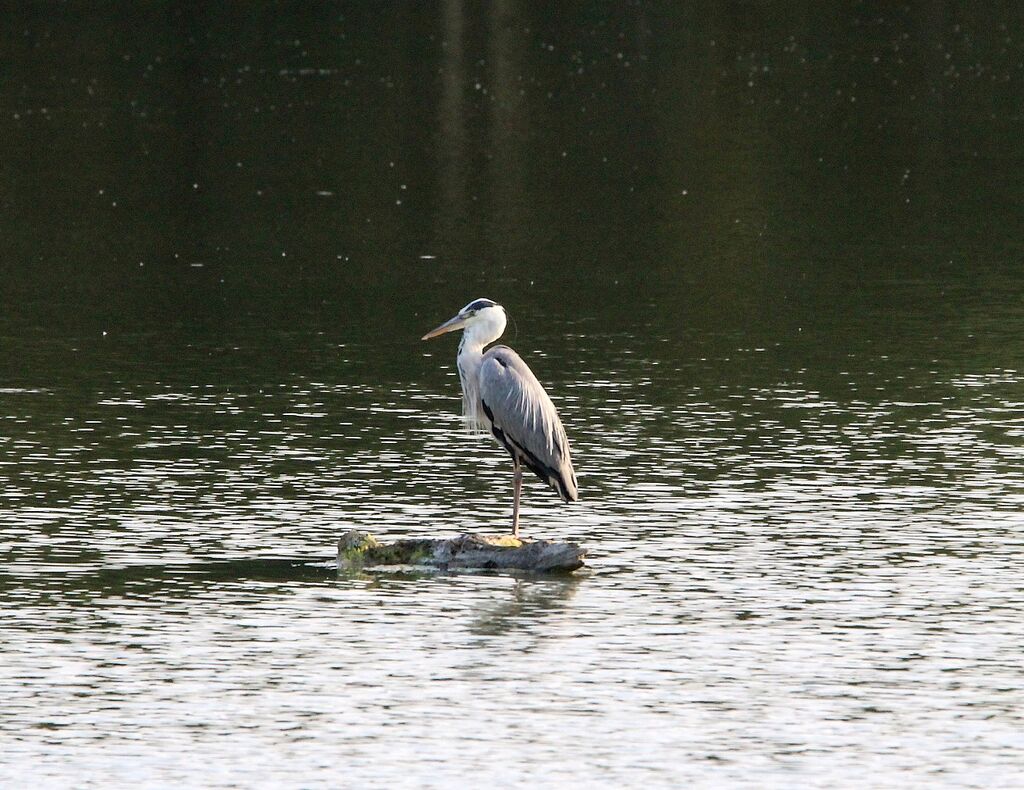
(524, 419)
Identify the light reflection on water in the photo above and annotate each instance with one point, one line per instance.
(784, 577)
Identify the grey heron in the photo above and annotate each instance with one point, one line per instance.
(500, 395)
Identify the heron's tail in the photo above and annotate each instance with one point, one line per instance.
(566, 485)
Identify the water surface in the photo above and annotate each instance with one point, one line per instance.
(767, 262)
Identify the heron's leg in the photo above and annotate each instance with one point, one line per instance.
(516, 487)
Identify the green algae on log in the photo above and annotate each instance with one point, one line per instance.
(357, 549)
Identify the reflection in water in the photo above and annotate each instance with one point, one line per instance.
(769, 260)
(454, 165)
(532, 599)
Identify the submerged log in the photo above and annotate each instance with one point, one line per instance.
(358, 549)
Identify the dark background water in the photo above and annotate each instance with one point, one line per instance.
(768, 260)
(730, 166)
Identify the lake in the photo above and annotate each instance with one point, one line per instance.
(767, 261)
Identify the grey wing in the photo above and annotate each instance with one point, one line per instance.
(524, 419)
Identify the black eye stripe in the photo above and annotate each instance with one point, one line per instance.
(480, 304)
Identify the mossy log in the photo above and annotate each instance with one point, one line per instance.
(358, 549)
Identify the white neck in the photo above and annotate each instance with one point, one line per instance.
(471, 354)
(487, 326)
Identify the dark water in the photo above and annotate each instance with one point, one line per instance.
(767, 259)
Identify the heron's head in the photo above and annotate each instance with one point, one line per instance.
(481, 318)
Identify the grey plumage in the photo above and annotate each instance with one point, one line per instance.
(523, 419)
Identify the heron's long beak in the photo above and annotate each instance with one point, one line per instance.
(450, 325)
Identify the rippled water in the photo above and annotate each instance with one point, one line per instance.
(767, 260)
(790, 583)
